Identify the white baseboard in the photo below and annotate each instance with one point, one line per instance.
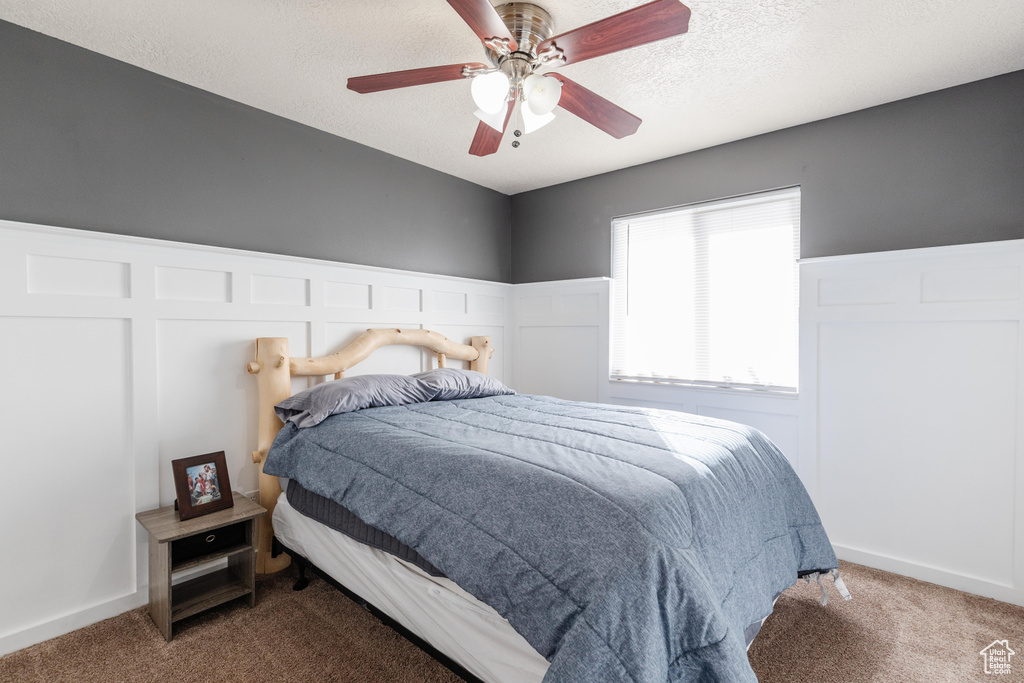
(72, 621)
(941, 577)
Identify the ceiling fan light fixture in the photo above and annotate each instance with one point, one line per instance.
(490, 91)
(495, 120)
(531, 121)
(542, 93)
(519, 40)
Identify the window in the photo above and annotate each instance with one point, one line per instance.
(708, 294)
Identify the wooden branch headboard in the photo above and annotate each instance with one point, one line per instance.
(274, 369)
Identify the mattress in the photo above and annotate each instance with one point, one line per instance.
(418, 596)
(435, 608)
(340, 518)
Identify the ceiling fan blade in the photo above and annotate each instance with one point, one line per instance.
(487, 140)
(484, 20)
(596, 110)
(404, 79)
(638, 26)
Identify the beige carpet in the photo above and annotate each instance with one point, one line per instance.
(895, 629)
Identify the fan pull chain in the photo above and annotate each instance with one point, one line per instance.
(517, 122)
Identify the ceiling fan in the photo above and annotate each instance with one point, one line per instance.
(519, 43)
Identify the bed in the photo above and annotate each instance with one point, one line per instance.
(525, 537)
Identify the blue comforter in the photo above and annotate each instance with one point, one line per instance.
(624, 544)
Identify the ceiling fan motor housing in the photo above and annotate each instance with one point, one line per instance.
(530, 25)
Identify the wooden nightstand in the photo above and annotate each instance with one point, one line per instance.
(175, 546)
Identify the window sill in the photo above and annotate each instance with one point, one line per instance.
(767, 392)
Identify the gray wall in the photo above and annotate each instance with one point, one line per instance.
(90, 142)
(942, 168)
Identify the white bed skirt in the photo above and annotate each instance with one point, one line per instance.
(436, 609)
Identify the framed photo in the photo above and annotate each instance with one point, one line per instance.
(202, 485)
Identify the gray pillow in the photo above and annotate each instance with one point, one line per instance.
(312, 406)
(450, 384)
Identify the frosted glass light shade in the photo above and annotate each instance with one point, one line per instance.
(532, 122)
(542, 93)
(495, 120)
(490, 91)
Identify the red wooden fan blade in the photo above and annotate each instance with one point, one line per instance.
(487, 140)
(404, 79)
(596, 110)
(638, 26)
(483, 19)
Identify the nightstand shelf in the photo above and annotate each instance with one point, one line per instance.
(212, 557)
(176, 546)
(206, 591)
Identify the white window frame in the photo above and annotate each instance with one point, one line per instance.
(686, 213)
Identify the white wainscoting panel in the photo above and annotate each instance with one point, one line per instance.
(535, 305)
(586, 302)
(286, 291)
(915, 421)
(400, 299)
(561, 346)
(971, 284)
(192, 284)
(68, 527)
(347, 295)
(129, 353)
(79, 277)
(911, 411)
(852, 291)
(481, 304)
(561, 362)
(449, 302)
(220, 417)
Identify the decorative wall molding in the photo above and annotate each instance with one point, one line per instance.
(130, 352)
(912, 431)
(125, 353)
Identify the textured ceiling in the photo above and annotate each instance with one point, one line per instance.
(746, 67)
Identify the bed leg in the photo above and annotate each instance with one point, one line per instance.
(303, 580)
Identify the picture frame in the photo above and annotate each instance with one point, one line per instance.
(202, 485)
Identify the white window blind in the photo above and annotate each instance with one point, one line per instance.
(709, 293)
